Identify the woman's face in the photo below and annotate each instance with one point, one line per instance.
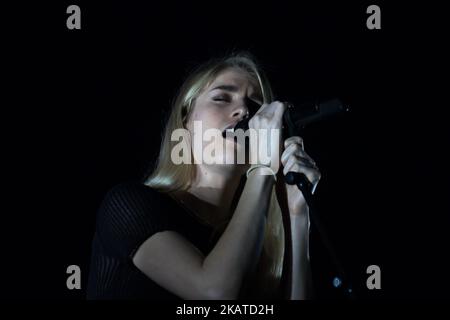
(223, 103)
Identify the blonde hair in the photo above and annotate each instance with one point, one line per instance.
(169, 177)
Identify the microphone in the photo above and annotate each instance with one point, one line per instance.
(298, 117)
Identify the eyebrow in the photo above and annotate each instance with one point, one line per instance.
(226, 87)
(233, 88)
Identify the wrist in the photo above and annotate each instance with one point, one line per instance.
(260, 169)
(302, 211)
(300, 221)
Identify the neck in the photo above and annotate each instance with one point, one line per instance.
(213, 191)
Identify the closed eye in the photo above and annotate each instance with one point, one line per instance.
(221, 98)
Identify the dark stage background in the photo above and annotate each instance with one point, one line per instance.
(88, 107)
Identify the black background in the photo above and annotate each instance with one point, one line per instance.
(87, 107)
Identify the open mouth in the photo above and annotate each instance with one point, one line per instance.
(230, 129)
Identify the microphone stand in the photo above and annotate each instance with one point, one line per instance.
(295, 178)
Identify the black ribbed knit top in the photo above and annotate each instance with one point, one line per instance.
(129, 214)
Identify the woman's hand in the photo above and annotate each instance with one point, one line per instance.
(294, 158)
(269, 119)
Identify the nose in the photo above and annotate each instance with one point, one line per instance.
(245, 109)
(240, 112)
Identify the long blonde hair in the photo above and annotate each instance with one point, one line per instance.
(169, 177)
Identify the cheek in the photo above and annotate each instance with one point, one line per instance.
(210, 118)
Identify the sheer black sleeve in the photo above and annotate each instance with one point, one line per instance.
(129, 214)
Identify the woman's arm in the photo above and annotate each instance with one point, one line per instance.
(301, 286)
(175, 264)
(295, 159)
(240, 245)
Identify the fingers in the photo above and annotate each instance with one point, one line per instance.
(296, 149)
(294, 158)
(269, 116)
(279, 108)
(296, 164)
(294, 139)
(275, 108)
(270, 107)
